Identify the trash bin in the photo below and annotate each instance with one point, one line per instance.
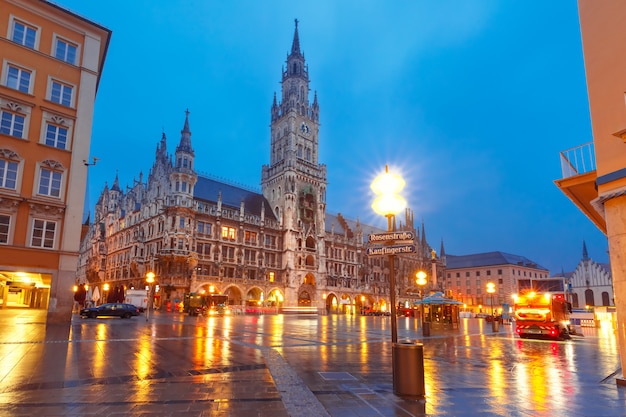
(495, 325)
(425, 328)
(408, 369)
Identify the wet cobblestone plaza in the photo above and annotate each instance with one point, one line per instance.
(290, 365)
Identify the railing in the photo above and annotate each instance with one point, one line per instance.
(579, 160)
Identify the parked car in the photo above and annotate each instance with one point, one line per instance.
(121, 310)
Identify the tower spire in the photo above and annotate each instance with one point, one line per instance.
(585, 254)
(295, 46)
(185, 137)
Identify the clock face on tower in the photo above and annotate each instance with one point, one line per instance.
(304, 128)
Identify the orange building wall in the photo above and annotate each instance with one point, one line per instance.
(603, 38)
(57, 264)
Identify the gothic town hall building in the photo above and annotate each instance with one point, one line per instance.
(276, 248)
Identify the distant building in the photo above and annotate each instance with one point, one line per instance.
(590, 284)
(51, 64)
(467, 277)
(274, 247)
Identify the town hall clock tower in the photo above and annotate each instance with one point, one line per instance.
(294, 182)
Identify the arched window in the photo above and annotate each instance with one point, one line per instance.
(605, 299)
(589, 298)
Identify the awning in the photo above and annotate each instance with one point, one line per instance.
(437, 299)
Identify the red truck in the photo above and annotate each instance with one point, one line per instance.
(542, 315)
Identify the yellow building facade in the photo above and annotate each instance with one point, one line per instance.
(51, 61)
(598, 187)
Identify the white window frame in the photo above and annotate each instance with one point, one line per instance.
(49, 118)
(4, 169)
(63, 85)
(7, 65)
(9, 232)
(43, 225)
(59, 132)
(9, 156)
(53, 167)
(19, 108)
(12, 128)
(11, 30)
(56, 40)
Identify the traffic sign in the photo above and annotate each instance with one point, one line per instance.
(389, 237)
(390, 250)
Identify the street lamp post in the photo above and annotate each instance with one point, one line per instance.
(421, 281)
(407, 359)
(150, 281)
(105, 287)
(491, 288)
(388, 203)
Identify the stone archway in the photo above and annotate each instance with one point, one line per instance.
(254, 297)
(234, 295)
(306, 295)
(332, 304)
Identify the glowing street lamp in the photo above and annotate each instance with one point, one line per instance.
(407, 380)
(105, 288)
(388, 203)
(491, 288)
(150, 281)
(421, 281)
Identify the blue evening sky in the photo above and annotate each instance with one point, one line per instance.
(470, 100)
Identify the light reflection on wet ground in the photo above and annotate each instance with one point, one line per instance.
(180, 365)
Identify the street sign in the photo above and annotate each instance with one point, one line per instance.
(389, 236)
(390, 250)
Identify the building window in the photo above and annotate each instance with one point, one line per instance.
(229, 254)
(50, 182)
(65, 51)
(229, 233)
(499, 272)
(271, 277)
(61, 93)
(24, 34)
(12, 124)
(270, 241)
(56, 136)
(488, 272)
(5, 221)
(249, 256)
(43, 234)
(8, 174)
(18, 78)
(250, 237)
(204, 228)
(477, 273)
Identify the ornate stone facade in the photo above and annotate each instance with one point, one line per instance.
(279, 247)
